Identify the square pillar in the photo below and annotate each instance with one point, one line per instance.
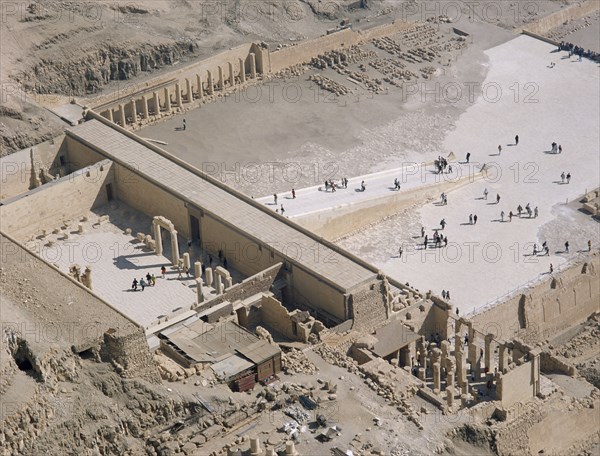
(450, 397)
(503, 358)
(460, 365)
(133, 111)
(221, 81)
(178, 101)
(156, 103)
(219, 283)
(167, 101)
(145, 107)
(436, 378)
(450, 378)
(108, 114)
(122, 120)
(242, 71)
(252, 65)
(175, 248)
(200, 89)
(209, 82)
(231, 75)
(488, 352)
(188, 90)
(200, 296)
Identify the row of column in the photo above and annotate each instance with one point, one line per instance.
(189, 93)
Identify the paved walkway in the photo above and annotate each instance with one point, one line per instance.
(411, 176)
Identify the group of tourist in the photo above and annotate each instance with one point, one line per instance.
(149, 282)
(566, 177)
(579, 51)
(556, 148)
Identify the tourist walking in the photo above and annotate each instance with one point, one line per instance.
(400, 252)
(510, 216)
(443, 223)
(153, 279)
(363, 186)
(499, 149)
(148, 279)
(184, 125)
(567, 247)
(568, 178)
(134, 284)
(293, 194)
(551, 268)
(516, 140)
(502, 215)
(562, 177)
(163, 271)
(468, 156)
(425, 242)
(470, 219)
(535, 212)
(282, 209)
(519, 210)
(485, 193)
(497, 198)
(559, 149)
(443, 294)
(142, 283)
(422, 231)
(589, 245)
(475, 219)
(275, 199)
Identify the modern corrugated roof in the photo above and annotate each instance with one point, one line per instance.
(338, 269)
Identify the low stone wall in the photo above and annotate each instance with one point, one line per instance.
(334, 223)
(549, 307)
(577, 11)
(48, 206)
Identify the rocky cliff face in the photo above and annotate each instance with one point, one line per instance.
(87, 75)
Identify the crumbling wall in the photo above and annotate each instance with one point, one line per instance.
(48, 206)
(517, 385)
(369, 306)
(550, 307)
(130, 355)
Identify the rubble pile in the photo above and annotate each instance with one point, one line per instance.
(296, 362)
(329, 85)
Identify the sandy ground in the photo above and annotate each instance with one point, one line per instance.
(526, 173)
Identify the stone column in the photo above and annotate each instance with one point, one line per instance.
(422, 373)
(242, 71)
(156, 104)
(175, 248)
(436, 378)
(450, 396)
(219, 283)
(458, 343)
(252, 65)
(464, 400)
(109, 115)
(197, 269)
(221, 81)
(255, 448)
(270, 452)
(87, 277)
(450, 370)
(209, 276)
(211, 87)
(122, 120)
(503, 358)
(460, 365)
(535, 370)
(228, 282)
(188, 90)
(200, 89)
(472, 350)
(231, 75)
(186, 261)
(157, 238)
(145, 107)
(178, 101)
(499, 386)
(290, 449)
(167, 101)
(444, 348)
(465, 387)
(488, 352)
(133, 111)
(200, 297)
(458, 327)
